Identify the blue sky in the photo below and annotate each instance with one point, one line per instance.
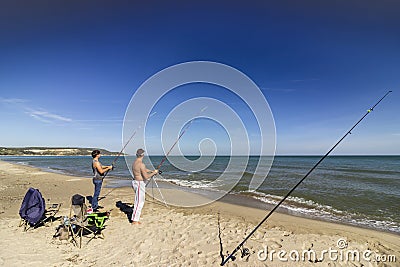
(69, 69)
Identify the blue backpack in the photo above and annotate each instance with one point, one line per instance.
(33, 206)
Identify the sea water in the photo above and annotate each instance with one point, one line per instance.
(358, 190)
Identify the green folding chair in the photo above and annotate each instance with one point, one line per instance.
(96, 223)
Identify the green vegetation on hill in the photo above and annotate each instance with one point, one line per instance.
(50, 151)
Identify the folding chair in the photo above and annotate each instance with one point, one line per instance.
(33, 210)
(82, 224)
(50, 214)
(96, 223)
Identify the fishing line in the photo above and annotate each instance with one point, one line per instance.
(176, 141)
(169, 151)
(120, 152)
(182, 133)
(240, 246)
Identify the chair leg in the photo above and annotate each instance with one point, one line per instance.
(90, 240)
(71, 237)
(26, 225)
(80, 244)
(22, 222)
(74, 236)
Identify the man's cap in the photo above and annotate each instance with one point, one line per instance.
(139, 152)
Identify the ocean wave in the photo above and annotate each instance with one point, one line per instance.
(206, 184)
(299, 205)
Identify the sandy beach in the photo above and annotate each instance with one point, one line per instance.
(171, 236)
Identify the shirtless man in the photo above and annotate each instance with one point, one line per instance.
(140, 173)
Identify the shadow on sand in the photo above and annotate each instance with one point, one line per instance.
(125, 208)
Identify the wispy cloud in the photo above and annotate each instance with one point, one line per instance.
(46, 116)
(38, 114)
(13, 100)
(50, 117)
(39, 118)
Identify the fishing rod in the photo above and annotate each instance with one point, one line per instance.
(165, 157)
(182, 133)
(120, 152)
(179, 137)
(231, 256)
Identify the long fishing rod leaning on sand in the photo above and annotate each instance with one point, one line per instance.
(169, 151)
(120, 152)
(245, 251)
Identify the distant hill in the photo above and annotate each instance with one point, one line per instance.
(50, 151)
